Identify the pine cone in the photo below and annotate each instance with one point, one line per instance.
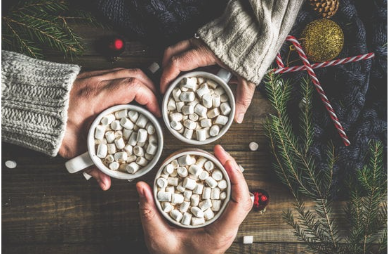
(325, 8)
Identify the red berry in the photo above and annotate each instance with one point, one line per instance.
(118, 44)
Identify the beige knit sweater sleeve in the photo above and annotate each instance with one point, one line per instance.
(34, 101)
(249, 34)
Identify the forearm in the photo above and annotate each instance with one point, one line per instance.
(247, 37)
(35, 98)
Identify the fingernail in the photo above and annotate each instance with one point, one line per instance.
(240, 118)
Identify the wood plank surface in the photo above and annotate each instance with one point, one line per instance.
(47, 210)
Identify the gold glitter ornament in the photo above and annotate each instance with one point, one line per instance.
(322, 40)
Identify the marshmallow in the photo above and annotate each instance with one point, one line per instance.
(150, 128)
(177, 198)
(204, 205)
(190, 83)
(121, 156)
(204, 174)
(131, 158)
(108, 119)
(176, 93)
(172, 181)
(201, 134)
(168, 169)
(206, 123)
(138, 151)
(187, 195)
(186, 160)
(102, 151)
(188, 133)
(216, 192)
(132, 167)
(217, 175)
(133, 115)
(248, 239)
(142, 135)
(111, 148)
(121, 113)
(214, 130)
(186, 219)
(197, 212)
(126, 123)
(216, 100)
(109, 158)
(223, 195)
(182, 171)
(206, 194)
(253, 146)
(197, 221)
(141, 161)
(176, 125)
(115, 125)
(198, 189)
(190, 124)
(176, 117)
(184, 206)
(179, 106)
(142, 121)
(200, 110)
(119, 143)
(161, 182)
(209, 165)
(225, 108)
(99, 133)
(110, 136)
(189, 183)
(203, 89)
(194, 200)
(187, 110)
(213, 113)
(222, 120)
(216, 205)
(207, 100)
(208, 214)
(166, 207)
(219, 90)
(222, 184)
(114, 165)
(164, 196)
(211, 182)
(151, 149)
(193, 117)
(170, 189)
(132, 139)
(187, 96)
(180, 188)
(176, 215)
(224, 98)
(171, 104)
(195, 170)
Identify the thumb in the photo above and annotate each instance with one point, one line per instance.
(244, 95)
(153, 223)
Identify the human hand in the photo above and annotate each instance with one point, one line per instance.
(92, 93)
(190, 54)
(217, 237)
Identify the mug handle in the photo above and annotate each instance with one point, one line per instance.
(79, 163)
(225, 75)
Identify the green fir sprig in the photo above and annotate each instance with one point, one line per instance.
(295, 167)
(31, 26)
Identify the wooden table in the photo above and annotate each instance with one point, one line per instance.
(47, 210)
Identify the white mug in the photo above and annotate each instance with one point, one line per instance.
(89, 158)
(222, 78)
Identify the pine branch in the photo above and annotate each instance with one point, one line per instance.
(38, 24)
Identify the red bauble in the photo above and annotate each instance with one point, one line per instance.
(111, 46)
(261, 199)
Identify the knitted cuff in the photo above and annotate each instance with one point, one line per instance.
(35, 99)
(247, 38)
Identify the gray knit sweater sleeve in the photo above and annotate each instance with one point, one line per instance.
(249, 34)
(34, 101)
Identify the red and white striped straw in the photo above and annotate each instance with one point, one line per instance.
(319, 89)
(352, 59)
